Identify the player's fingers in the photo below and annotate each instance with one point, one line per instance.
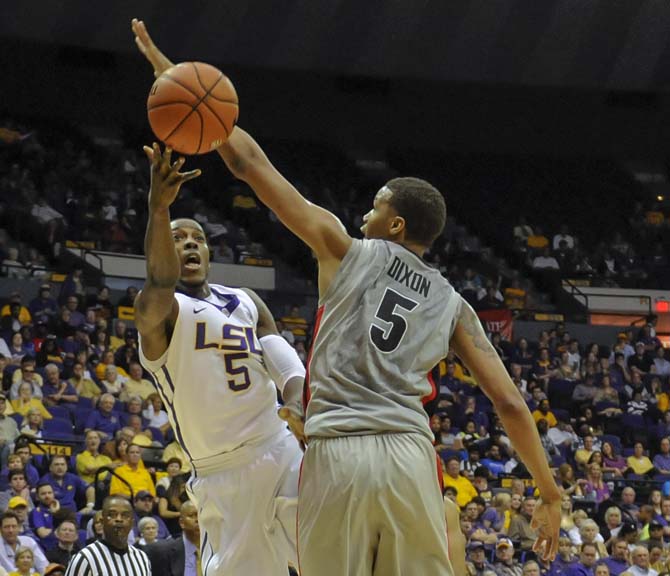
(140, 45)
(167, 155)
(553, 548)
(174, 168)
(149, 152)
(186, 176)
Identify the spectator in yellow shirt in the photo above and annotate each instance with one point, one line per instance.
(583, 455)
(134, 473)
(24, 313)
(118, 339)
(452, 478)
(25, 402)
(136, 385)
(296, 323)
(85, 387)
(108, 359)
(543, 411)
(91, 459)
(638, 462)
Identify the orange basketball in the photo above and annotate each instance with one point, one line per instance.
(192, 107)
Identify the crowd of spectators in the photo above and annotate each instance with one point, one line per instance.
(602, 416)
(71, 379)
(615, 263)
(71, 375)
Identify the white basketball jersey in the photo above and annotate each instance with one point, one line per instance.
(212, 379)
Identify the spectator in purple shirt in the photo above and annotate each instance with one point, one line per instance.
(56, 391)
(564, 559)
(617, 562)
(595, 487)
(587, 561)
(103, 419)
(76, 317)
(43, 308)
(662, 459)
(67, 486)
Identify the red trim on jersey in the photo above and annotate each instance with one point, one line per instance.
(431, 396)
(297, 529)
(440, 477)
(306, 395)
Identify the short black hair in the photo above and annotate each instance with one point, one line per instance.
(9, 514)
(421, 205)
(16, 472)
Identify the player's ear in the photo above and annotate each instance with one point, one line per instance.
(397, 226)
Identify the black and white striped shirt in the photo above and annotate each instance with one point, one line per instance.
(101, 559)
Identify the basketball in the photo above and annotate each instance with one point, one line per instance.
(192, 107)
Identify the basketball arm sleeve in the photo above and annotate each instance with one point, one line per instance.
(285, 368)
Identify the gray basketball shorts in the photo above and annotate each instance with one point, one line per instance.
(371, 506)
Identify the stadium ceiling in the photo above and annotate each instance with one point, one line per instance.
(596, 44)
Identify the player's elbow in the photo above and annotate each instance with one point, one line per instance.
(510, 405)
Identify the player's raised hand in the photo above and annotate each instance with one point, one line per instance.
(547, 523)
(166, 179)
(145, 44)
(295, 423)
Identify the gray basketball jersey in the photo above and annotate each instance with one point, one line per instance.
(382, 326)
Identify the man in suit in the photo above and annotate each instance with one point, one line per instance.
(179, 556)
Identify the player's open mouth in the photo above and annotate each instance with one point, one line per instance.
(192, 262)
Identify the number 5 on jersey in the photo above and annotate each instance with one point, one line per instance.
(387, 332)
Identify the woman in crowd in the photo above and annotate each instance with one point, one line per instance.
(590, 534)
(613, 463)
(607, 393)
(578, 516)
(113, 381)
(95, 526)
(148, 529)
(590, 365)
(566, 479)
(33, 423)
(566, 370)
(613, 520)
(639, 463)
(595, 488)
(16, 348)
(497, 516)
(171, 492)
(155, 415)
(565, 557)
(24, 560)
(567, 522)
(100, 343)
(26, 401)
(118, 452)
(655, 499)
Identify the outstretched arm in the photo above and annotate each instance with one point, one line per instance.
(317, 227)
(473, 347)
(156, 302)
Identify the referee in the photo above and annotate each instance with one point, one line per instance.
(112, 556)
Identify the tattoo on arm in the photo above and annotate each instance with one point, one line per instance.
(473, 328)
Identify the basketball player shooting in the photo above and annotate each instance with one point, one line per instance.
(208, 347)
(370, 500)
